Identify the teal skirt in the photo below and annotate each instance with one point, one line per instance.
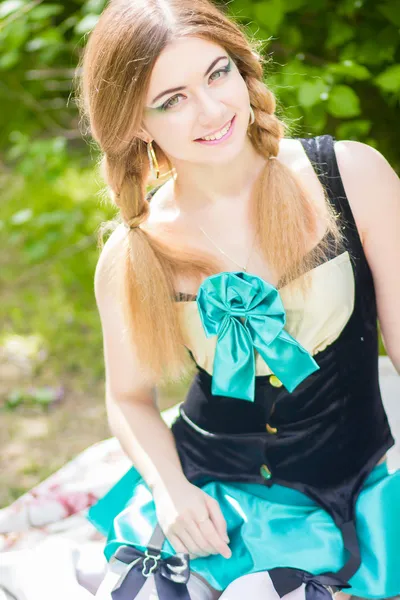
(271, 527)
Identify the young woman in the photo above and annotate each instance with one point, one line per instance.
(265, 260)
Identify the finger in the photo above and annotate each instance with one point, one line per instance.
(214, 538)
(217, 518)
(188, 541)
(177, 544)
(199, 538)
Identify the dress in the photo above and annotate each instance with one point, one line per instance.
(285, 392)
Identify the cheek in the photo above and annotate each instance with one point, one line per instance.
(241, 91)
(177, 128)
(162, 129)
(173, 133)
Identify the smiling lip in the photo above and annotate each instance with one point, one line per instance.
(224, 137)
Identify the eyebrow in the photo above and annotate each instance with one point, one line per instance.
(183, 87)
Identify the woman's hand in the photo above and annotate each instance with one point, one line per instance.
(191, 519)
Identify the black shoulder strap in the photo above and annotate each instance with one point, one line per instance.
(321, 152)
(313, 151)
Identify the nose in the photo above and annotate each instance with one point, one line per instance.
(211, 110)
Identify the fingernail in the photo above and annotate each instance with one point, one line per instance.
(227, 539)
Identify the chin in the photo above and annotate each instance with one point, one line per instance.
(228, 154)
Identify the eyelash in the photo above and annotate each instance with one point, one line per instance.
(165, 106)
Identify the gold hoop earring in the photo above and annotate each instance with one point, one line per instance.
(252, 117)
(154, 168)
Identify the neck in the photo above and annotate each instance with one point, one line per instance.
(202, 186)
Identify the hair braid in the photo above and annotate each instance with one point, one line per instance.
(267, 130)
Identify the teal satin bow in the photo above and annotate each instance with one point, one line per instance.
(246, 312)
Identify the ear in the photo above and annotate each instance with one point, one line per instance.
(143, 135)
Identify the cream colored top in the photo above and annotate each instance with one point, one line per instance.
(315, 322)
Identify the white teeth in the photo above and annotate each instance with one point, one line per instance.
(218, 135)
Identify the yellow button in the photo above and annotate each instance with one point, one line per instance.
(265, 472)
(275, 381)
(270, 429)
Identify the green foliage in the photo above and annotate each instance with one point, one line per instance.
(49, 231)
(333, 64)
(44, 397)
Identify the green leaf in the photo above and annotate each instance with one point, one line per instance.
(391, 11)
(293, 5)
(55, 217)
(377, 49)
(339, 33)
(293, 37)
(15, 35)
(10, 6)
(36, 251)
(315, 6)
(45, 395)
(14, 398)
(348, 8)
(22, 216)
(9, 60)
(270, 14)
(317, 118)
(240, 8)
(86, 24)
(48, 38)
(255, 31)
(343, 102)
(44, 11)
(389, 80)
(95, 6)
(309, 93)
(292, 74)
(350, 69)
(353, 130)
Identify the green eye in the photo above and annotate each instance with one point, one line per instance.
(170, 103)
(215, 72)
(224, 70)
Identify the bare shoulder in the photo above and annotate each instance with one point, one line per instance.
(294, 156)
(108, 264)
(125, 376)
(291, 149)
(367, 177)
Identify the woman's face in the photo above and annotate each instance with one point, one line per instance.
(211, 93)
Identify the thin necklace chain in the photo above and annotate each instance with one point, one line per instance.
(222, 251)
(225, 254)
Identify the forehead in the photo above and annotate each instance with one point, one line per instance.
(180, 61)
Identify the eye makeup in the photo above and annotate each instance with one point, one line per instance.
(167, 105)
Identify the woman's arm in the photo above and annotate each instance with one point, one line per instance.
(373, 190)
(131, 407)
(135, 420)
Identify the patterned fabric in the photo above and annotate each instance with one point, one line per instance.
(58, 505)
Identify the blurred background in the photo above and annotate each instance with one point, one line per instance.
(334, 67)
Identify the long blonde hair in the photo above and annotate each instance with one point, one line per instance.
(115, 71)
